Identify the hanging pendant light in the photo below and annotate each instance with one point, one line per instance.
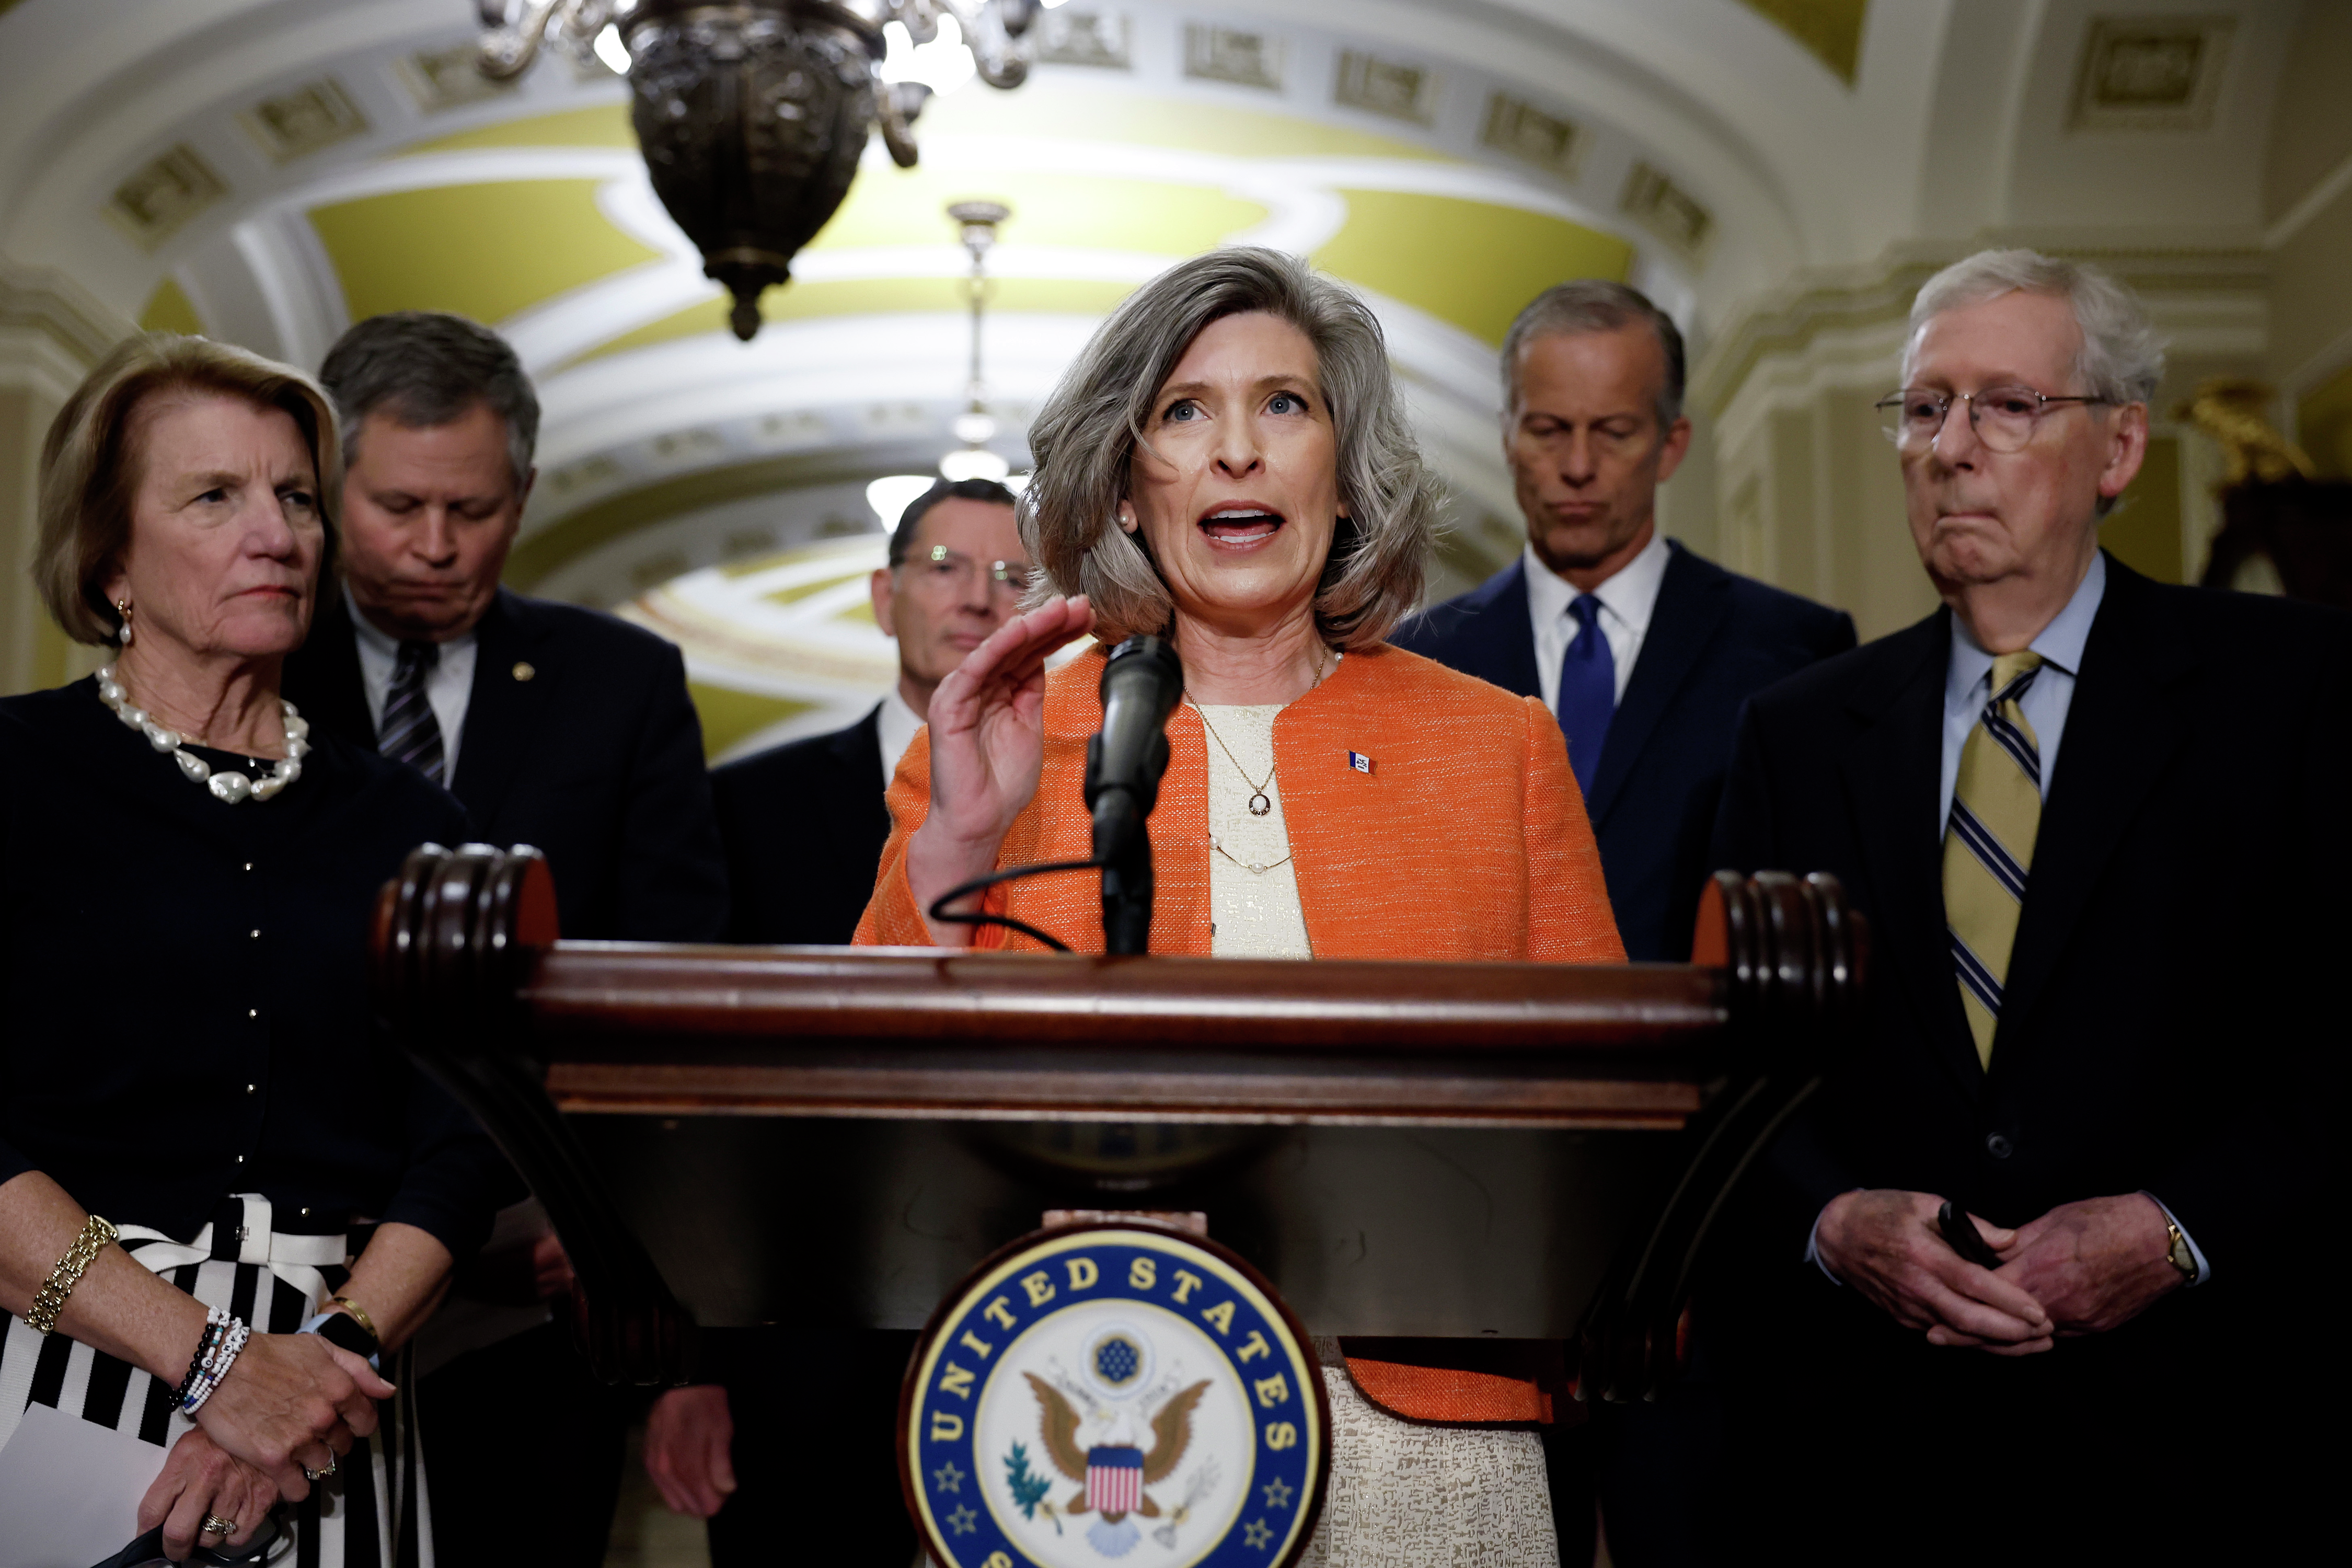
(976, 225)
(752, 114)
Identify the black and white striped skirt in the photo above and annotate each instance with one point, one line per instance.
(373, 1511)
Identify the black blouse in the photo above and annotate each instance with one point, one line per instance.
(183, 986)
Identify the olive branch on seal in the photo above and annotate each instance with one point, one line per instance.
(1029, 1488)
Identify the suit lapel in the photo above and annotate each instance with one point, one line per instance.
(2123, 730)
(502, 710)
(1892, 779)
(332, 693)
(1693, 599)
(857, 754)
(1514, 636)
(1487, 633)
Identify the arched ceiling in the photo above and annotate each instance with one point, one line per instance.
(268, 171)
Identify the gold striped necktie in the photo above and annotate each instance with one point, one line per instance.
(1989, 846)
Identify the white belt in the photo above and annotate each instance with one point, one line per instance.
(296, 1259)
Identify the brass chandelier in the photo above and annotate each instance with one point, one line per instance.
(752, 114)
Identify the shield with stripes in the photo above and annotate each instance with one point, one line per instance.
(1114, 1480)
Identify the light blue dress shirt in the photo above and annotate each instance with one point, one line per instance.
(1967, 683)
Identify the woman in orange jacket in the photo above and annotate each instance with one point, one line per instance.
(1226, 465)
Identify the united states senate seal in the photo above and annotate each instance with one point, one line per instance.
(1114, 1394)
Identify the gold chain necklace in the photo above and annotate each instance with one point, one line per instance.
(1260, 804)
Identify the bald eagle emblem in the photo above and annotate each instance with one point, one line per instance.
(1102, 1452)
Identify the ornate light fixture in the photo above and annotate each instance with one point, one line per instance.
(975, 426)
(752, 114)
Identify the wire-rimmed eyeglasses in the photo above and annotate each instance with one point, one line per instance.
(2003, 418)
(942, 566)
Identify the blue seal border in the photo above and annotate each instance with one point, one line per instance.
(994, 1304)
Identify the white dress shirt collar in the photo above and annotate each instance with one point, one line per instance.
(2060, 642)
(1628, 599)
(1968, 685)
(895, 729)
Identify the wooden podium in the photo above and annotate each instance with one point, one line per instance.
(732, 1135)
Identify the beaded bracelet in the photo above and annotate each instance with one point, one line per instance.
(96, 1236)
(224, 1335)
(223, 1356)
(217, 1321)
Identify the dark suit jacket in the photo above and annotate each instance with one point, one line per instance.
(1714, 639)
(2164, 1026)
(596, 758)
(805, 826)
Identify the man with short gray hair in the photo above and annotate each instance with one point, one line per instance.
(2059, 1190)
(554, 726)
(1644, 649)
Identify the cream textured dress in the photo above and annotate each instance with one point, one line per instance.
(1401, 1495)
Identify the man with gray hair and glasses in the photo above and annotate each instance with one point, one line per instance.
(2020, 1280)
(553, 726)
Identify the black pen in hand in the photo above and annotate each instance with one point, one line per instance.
(1961, 1234)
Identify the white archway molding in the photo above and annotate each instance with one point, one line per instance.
(225, 53)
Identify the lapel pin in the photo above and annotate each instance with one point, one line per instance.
(523, 670)
(1360, 763)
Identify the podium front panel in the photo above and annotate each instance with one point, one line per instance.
(1373, 1231)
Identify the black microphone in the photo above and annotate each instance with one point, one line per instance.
(1140, 683)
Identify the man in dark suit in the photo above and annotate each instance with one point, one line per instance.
(1645, 651)
(1593, 387)
(2097, 826)
(804, 822)
(554, 726)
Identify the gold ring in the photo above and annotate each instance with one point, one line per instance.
(215, 1525)
(311, 1475)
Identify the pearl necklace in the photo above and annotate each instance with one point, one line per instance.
(230, 787)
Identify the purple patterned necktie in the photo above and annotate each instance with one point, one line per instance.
(409, 732)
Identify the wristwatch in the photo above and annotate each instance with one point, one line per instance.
(2177, 1253)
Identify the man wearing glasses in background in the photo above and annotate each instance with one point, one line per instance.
(2096, 824)
(804, 826)
(804, 822)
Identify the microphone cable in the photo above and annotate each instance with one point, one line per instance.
(945, 916)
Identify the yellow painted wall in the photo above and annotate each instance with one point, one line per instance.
(728, 715)
(483, 251)
(169, 310)
(1831, 30)
(2144, 531)
(1470, 263)
(2324, 424)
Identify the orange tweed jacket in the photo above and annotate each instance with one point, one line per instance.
(1466, 840)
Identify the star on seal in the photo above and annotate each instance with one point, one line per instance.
(1257, 1533)
(949, 1478)
(1278, 1493)
(963, 1521)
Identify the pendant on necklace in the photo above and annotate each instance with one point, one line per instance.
(1259, 805)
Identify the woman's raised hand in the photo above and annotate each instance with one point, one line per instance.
(988, 746)
(292, 1402)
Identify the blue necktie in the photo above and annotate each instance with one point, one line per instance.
(1587, 691)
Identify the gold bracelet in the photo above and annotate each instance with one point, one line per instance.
(96, 1236)
(359, 1315)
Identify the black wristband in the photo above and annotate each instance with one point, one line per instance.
(211, 1336)
(344, 1332)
